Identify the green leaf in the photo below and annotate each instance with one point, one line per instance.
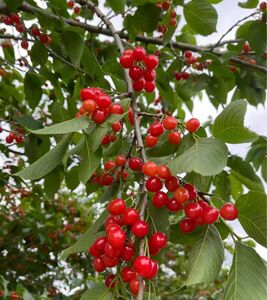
(118, 5)
(38, 54)
(258, 29)
(229, 124)
(90, 160)
(98, 135)
(205, 258)
(29, 122)
(72, 178)
(252, 214)
(208, 156)
(202, 183)
(13, 4)
(32, 89)
(46, 163)
(249, 4)
(72, 125)
(160, 218)
(87, 239)
(201, 16)
(52, 183)
(97, 292)
(247, 278)
(74, 44)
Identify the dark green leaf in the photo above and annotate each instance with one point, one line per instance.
(38, 54)
(32, 89)
(118, 5)
(74, 44)
(13, 4)
(52, 183)
(72, 178)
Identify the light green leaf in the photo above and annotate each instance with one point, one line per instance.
(90, 160)
(229, 125)
(160, 218)
(252, 214)
(72, 125)
(249, 4)
(247, 278)
(118, 5)
(46, 163)
(201, 16)
(98, 135)
(98, 292)
(32, 89)
(74, 45)
(205, 258)
(208, 156)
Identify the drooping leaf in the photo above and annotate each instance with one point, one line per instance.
(97, 292)
(32, 89)
(74, 45)
(248, 3)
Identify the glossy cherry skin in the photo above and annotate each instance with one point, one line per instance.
(192, 125)
(128, 274)
(140, 228)
(203, 204)
(181, 195)
(103, 101)
(229, 212)
(171, 183)
(89, 106)
(174, 206)
(87, 93)
(139, 84)
(159, 240)
(135, 72)
(187, 225)
(99, 265)
(109, 165)
(156, 129)
(94, 252)
(109, 281)
(150, 168)
(110, 251)
(154, 270)
(126, 61)
(210, 215)
(174, 138)
(117, 207)
(154, 184)
(153, 250)
(149, 75)
(99, 116)
(134, 286)
(100, 243)
(139, 53)
(191, 190)
(150, 86)
(142, 265)
(117, 238)
(117, 126)
(193, 210)
(130, 216)
(160, 199)
(116, 108)
(170, 123)
(135, 163)
(163, 172)
(187, 54)
(127, 252)
(151, 61)
(151, 141)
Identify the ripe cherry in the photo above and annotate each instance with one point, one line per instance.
(87, 93)
(153, 250)
(130, 216)
(229, 212)
(151, 141)
(126, 61)
(19, 139)
(150, 75)
(89, 106)
(94, 252)
(110, 251)
(9, 139)
(103, 101)
(116, 127)
(134, 286)
(107, 179)
(156, 129)
(150, 168)
(110, 262)
(159, 240)
(173, 205)
(142, 265)
(99, 116)
(263, 6)
(127, 252)
(15, 18)
(77, 10)
(151, 61)
(140, 228)
(154, 270)
(99, 265)
(163, 172)
(181, 195)
(135, 163)
(210, 215)
(172, 14)
(139, 84)
(154, 184)
(150, 86)
(116, 108)
(203, 204)
(170, 123)
(131, 116)
(171, 183)
(116, 238)
(246, 48)
(174, 138)
(35, 31)
(192, 125)
(100, 243)
(191, 190)
(70, 3)
(120, 160)
(187, 225)
(109, 281)
(139, 53)
(173, 22)
(128, 274)
(160, 199)
(187, 54)
(44, 38)
(109, 165)
(24, 44)
(193, 210)
(135, 72)
(166, 5)
(117, 207)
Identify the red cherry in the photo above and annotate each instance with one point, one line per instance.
(160, 199)
(117, 207)
(246, 48)
(163, 172)
(174, 206)
(24, 44)
(138, 85)
(150, 168)
(139, 53)
(166, 5)
(110, 262)
(156, 129)
(89, 106)
(120, 160)
(135, 72)
(107, 179)
(135, 163)
(263, 6)
(70, 3)
(151, 141)
(130, 216)
(127, 252)
(110, 251)
(131, 116)
(191, 190)
(159, 240)
(140, 228)
(100, 243)
(35, 31)
(126, 61)
(134, 286)
(77, 10)
(181, 195)
(170, 123)
(171, 183)
(105, 140)
(187, 225)
(203, 204)
(116, 238)
(193, 210)
(7, 20)
(103, 101)
(116, 108)
(87, 93)
(153, 250)
(128, 52)
(150, 75)
(99, 265)
(111, 220)
(94, 252)
(19, 139)
(151, 61)
(154, 184)
(44, 38)
(99, 116)
(173, 14)
(187, 54)
(15, 18)
(229, 212)
(174, 138)
(173, 22)
(128, 274)
(192, 125)
(142, 265)
(109, 165)
(116, 127)
(154, 270)
(109, 281)
(185, 75)
(20, 28)
(9, 139)
(210, 215)
(150, 86)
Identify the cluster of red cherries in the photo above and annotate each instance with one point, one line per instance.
(12, 136)
(76, 8)
(170, 124)
(115, 248)
(166, 6)
(141, 68)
